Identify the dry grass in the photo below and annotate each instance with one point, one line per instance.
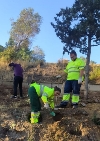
(33, 70)
(45, 73)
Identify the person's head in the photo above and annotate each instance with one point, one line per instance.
(57, 91)
(11, 67)
(73, 55)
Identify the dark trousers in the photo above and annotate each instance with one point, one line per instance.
(79, 86)
(18, 81)
(34, 100)
(72, 85)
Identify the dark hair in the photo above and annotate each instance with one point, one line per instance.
(57, 89)
(73, 52)
(33, 81)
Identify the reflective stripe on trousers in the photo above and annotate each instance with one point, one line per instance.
(75, 98)
(34, 117)
(66, 97)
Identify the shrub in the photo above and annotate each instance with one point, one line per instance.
(95, 73)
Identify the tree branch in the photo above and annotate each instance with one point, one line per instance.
(93, 45)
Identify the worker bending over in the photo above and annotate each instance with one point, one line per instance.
(47, 94)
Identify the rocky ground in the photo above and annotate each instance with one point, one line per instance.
(81, 124)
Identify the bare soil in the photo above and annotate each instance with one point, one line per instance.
(81, 124)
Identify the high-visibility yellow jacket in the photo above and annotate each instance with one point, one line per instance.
(46, 93)
(73, 69)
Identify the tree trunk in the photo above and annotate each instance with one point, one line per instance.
(87, 68)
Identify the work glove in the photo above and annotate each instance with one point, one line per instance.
(58, 76)
(52, 113)
(46, 105)
(80, 80)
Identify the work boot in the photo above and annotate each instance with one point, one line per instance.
(62, 105)
(15, 97)
(74, 106)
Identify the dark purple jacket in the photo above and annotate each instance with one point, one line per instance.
(18, 71)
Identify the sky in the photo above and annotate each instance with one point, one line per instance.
(46, 39)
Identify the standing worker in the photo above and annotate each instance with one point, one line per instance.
(18, 78)
(47, 94)
(75, 72)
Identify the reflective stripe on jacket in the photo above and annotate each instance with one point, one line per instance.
(46, 93)
(73, 69)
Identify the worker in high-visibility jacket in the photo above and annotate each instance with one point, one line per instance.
(75, 72)
(47, 94)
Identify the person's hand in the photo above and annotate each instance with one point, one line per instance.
(46, 105)
(80, 80)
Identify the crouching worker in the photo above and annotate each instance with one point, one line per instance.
(47, 94)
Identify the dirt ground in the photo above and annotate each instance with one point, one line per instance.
(81, 124)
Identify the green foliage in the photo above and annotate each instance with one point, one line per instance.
(26, 26)
(22, 32)
(1, 48)
(10, 43)
(8, 54)
(76, 24)
(23, 54)
(95, 73)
